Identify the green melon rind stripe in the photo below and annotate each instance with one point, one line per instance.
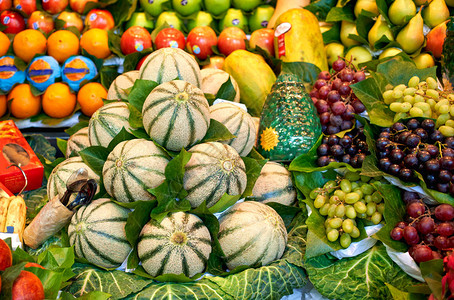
(277, 193)
(93, 210)
(274, 173)
(164, 262)
(149, 60)
(190, 168)
(100, 254)
(264, 253)
(171, 218)
(202, 240)
(154, 237)
(106, 127)
(202, 115)
(192, 137)
(194, 249)
(247, 139)
(113, 220)
(210, 199)
(147, 156)
(185, 219)
(126, 190)
(175, 62)
(184, 263)
(149, 255)
(117, 90)
(161, 70)
(157, 172)
(171, 126)
(204, 153)
(201, 183)
(109, 236)
(196, 225)
(194, 71)
(159, 114)
(243, 248)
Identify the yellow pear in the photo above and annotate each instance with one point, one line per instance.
(422, 2)
(348, 28)
(436, 13)
(424, 60)
(358, 55)
(400, 11)
(369, 5)
(333, 51)
(411, 37)
(389, 52)
(380, 28)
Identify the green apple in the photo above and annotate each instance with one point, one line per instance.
(260, 17)
(141, 19)
(234, 18)
(171, 18)
(153, 7)
(424, 60)
(348, 28)
(333, 51)
(246, 5)
(358, 55)
(186, 7)
(202, 19)
(389, 52)
(216, 7)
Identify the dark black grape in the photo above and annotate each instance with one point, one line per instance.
(428, 125)
(383, 154)
(323, 150)
(444, 176)
(362, 146)
(443, 187)
(345, 141)
(413, 140)
(405, 174)
(436, 136)
(398, 127)
(413, 124)
(384, 164)
(433, 150)
(411, 161)
(423, 156)
(432, 166)
(346, 158)
(331, 129)
(384, 134)
(396, 156)
(402, 137)
(333, 140)
(394, 169)
(336, 150)
(447, 152)
(323, 161)
(431, 179)
(422, 134)
(352, 150)
(325, 140)
(360, 157)
(382, 144)
(449, 141)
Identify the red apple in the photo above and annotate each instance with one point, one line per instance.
(5, 4)
(32, 264)
(79, 5)
(263, 38)
(13, 21)
(231, 39)
(216, 62)
(135, 39)
(6, 258)
(41, 20)
(71, 19)
(55, 6)
(435, 39)
(27, 6)
(140, 63)
(99, 18)
(200, 40)
(27, 286)
(170, 38)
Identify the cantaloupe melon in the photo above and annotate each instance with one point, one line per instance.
(251, 233)
(176, 115)
(133, 167)
(167, 64)
(77, 142)
(120, 87)
(239, 123)
(274, 185)
(107, 122)
(180, 244)
(97, 232)
(213, 79)
(214, 169)
(56, 184)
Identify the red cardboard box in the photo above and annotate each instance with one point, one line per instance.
(15, 149)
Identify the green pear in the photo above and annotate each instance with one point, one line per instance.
(358, 55)
(380, 28)
(411, 37)
(348, 28)
(368, 5)
(401, 10)
(333, 51)
(389, 52)
(424, 60)
(436, 13)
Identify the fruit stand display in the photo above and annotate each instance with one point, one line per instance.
(227, 149)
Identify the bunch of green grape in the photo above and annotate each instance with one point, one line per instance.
(344, 200)
(422, 99)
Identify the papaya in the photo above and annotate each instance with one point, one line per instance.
(298, 38)
(254, 77)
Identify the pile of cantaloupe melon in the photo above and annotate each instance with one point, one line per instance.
(176, 115)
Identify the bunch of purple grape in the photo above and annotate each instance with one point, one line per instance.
(418, 146)
(429, 231)
(351, 149)
(335, 102)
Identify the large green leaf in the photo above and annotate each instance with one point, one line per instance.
(269, 282)
(95, 157)
(297, 239)
(253, 169)
(200, 290)
(35, 200)
(321, 8)
(140, 91)
(306, 71)
(432, 271)
(41, 145)
(396, 71)
(360, 277)
(217, 132)
(226, 91)
(117, 283)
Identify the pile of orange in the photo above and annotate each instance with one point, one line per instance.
(57, 101)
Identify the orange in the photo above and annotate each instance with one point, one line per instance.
(24, 104)
(58, 101)
(4, 43)
(90, 97)
(3, 105)
(96, 43)
(62, 44)
(28, 43)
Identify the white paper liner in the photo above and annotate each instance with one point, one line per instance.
(15, 241)
(405, 262)
(356, 248)
(417, 189)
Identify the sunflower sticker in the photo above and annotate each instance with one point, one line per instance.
(269, 139)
